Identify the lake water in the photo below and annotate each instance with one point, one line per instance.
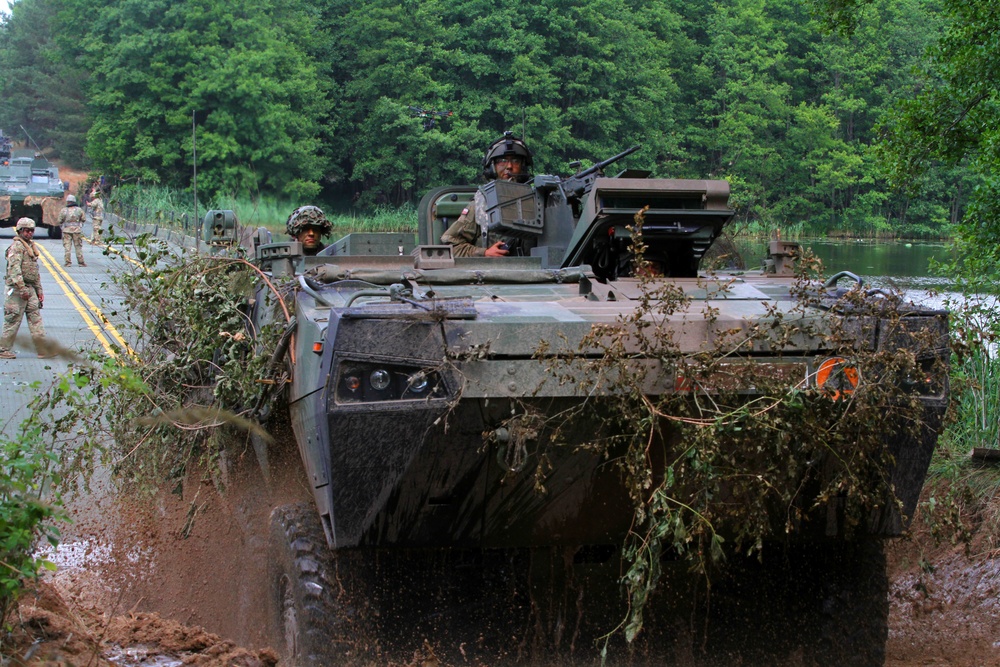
(901, 264)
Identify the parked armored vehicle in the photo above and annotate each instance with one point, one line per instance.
(466, 433)
(30, 187)
(5, 149)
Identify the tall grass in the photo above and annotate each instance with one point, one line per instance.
(165, 206)
(975, 386)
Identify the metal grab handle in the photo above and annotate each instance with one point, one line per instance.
(834, 279)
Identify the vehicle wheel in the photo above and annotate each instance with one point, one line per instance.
(55, 232)
(822, 603)
(854, 606)
(307, 618)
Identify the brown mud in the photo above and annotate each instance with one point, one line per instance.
(182, 583)
(945, 598)
(179, 578)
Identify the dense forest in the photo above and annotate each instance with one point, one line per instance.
(375, 102)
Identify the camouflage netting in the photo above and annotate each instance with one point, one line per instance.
(50, 208)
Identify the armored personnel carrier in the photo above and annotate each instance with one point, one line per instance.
(5, 149)
(30, 187)
(502, 451)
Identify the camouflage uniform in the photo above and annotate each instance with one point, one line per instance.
(96, 217)
(71, 220)
(22, 277)
(466, 231)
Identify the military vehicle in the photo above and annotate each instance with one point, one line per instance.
(30, 187)
(420, 387)
(5, 148)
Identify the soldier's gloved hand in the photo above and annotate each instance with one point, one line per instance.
(25, 294)
(41, 299)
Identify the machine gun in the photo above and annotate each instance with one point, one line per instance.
(580, 183)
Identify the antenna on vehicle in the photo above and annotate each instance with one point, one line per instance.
(30, 139)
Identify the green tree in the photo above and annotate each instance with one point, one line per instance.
(580, 82)
(954, 119)
(40, 90)
(237, 70)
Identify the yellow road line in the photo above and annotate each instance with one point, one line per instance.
(82, 303)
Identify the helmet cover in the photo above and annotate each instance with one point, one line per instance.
(307, 216)
(25, 223)
(70, 199)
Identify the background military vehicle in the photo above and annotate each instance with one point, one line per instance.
(416, 392)
(5, 149)
(30, 187)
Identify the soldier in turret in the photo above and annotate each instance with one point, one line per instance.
(308, 225)
(23, 291)
(71, 219)
(96, 214)
(506, 159)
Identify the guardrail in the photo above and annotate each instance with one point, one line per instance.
(149, 216)
(169, 226)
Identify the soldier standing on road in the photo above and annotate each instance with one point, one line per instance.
(507, 159)
(96, 214)
(23, 291)
(71, 219)
(308, 225)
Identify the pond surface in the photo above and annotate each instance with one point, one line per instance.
(901, 264)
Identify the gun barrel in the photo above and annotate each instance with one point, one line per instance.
(620, 155)
(604, 163)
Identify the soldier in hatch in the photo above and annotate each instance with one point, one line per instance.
(507, 159)
(308, 225)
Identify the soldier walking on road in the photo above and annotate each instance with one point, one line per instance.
(23, 290)
(96, 215)
(71, 219)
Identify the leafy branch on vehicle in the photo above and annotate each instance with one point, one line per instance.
(721, 453)
(199, 375)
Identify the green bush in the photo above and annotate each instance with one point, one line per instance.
(29, 508)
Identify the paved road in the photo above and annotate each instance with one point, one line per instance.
(78, 314)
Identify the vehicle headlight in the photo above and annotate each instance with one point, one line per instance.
(418, 383)
(380, 379)
(360, 382)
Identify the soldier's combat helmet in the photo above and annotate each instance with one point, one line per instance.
(24, 223)
(70, 199)
(308, 216)
(508, 144)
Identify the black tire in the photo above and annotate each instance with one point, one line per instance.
(854, 612)
(822, 603)
(55, 232)
(307, 620)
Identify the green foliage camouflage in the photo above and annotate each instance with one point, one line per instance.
(195, 378)
(713, 475)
